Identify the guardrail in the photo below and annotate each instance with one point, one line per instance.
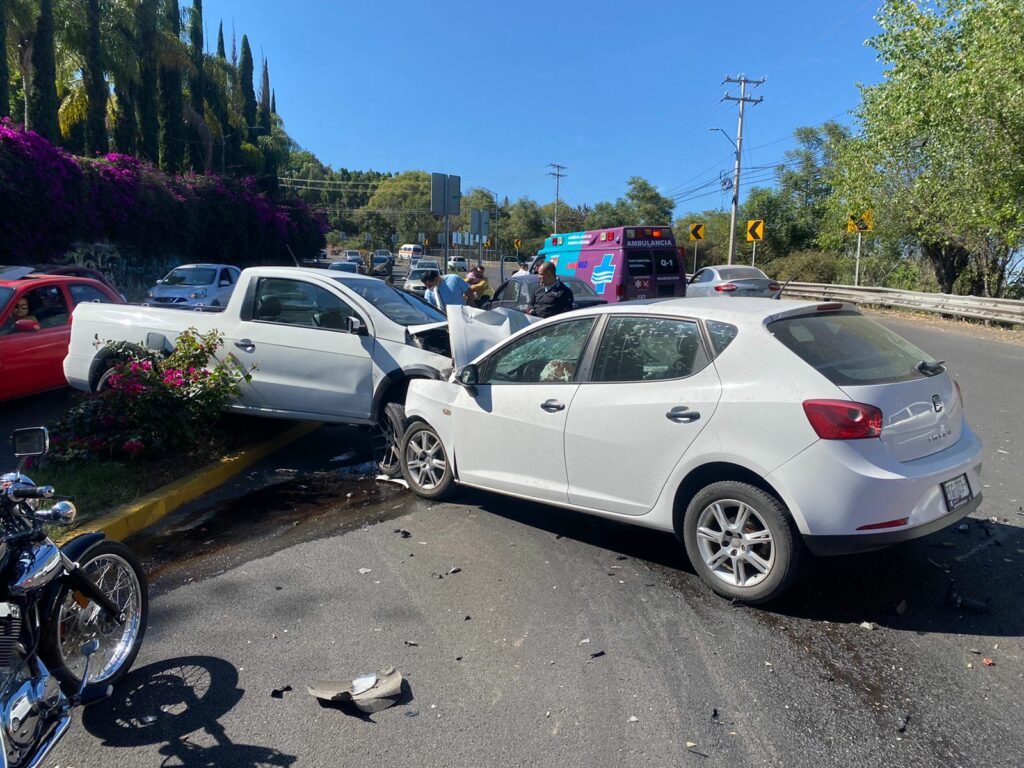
(974, 307)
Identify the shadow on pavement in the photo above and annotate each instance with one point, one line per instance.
(168, 700)
(911, 587)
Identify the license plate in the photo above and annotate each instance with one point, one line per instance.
(957, 492)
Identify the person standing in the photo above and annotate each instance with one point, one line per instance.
(442, 291)
(552, 297)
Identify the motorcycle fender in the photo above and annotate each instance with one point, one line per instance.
(74, 549)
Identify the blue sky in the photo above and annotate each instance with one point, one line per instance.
(495, 91)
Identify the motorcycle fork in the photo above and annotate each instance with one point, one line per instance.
(77, 579)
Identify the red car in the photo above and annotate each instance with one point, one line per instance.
(35, 327)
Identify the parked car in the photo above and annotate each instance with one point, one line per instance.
(426, 264)
(385, 252)
(517, 293)
(345, 266)
(381, 265)
(458, 264)
(732, 281)
(323, 345)
(191, 285)
(35, 327)
(414, 281)
(755, 431)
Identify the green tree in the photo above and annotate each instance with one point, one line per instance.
(146, 100)
(527, 223)
(646, 204)
(199, 138)
(221, 53)
(5, 74)
(714, 248)
(95, 85)
(404, 201)
(172, 126)
(248, 95)
(42, 102)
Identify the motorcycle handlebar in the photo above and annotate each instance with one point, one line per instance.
(20, 492)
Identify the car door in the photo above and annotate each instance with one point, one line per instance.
(33, 360)
(509, 428)
(506, 295)
(698, 285)
(306, 361)
(650, 393)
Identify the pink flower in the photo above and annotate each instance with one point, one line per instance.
(147, 365)
(133, 446)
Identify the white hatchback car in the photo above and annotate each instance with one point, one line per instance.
(753, 430)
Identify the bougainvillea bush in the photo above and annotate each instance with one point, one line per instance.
(152, 405)
(50, 200)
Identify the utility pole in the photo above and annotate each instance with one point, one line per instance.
(559, 175)
(743, 100)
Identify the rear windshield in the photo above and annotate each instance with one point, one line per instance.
(579, 287)
(191, 276)
(741, 273)
(850, 350)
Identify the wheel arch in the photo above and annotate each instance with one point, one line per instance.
(713, 472)
(393, 387)
(108, 356)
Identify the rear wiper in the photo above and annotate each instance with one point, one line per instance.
(778, 294)
(931, 368)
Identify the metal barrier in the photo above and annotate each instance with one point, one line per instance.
(975, 307)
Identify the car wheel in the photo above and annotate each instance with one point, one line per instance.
(742, 542)
(425, 463)
(386, 437)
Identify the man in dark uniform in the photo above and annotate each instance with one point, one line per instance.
(552, 296)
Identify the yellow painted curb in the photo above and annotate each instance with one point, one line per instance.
(132, 518)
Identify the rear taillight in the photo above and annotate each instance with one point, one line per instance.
(774, 286)
(726, 287)
(843, 419)
(620, 290)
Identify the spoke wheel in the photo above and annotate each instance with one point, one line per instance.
(735, 543)
(425, 462)
(77, 620)
(742, 541)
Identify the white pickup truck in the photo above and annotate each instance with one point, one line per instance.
(326, 346)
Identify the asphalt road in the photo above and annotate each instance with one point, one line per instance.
(565, 640)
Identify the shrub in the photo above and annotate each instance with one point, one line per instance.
(806, 267)
(152, 404)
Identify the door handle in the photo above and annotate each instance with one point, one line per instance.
(682, 414)
(246, 344)
(552, 406)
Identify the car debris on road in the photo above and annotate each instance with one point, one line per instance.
(369, 693)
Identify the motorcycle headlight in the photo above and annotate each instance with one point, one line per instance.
(199, 293)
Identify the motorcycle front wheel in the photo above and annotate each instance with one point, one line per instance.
(76, 620)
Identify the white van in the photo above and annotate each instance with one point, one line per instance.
(410, 252)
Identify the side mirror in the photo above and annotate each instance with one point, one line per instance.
(26, 325)
(355, 325)
(469, 376)
(30, 441)
(160, 281)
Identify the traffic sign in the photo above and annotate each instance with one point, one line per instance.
(517, 243)
(426, 243)
(696, 231)
(755, 230)
(487, 244)
(863, 223)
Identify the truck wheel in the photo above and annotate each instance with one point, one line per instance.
(385, 438)
(742, 542)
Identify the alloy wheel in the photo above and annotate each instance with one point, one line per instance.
(425, 459)
(735, 543)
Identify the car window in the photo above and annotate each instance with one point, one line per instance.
(398, 306)
(704, 276)
(579, 288)
(549, 354)
(666, 261)
(742, 273)
(721, 335)
(648, 349)
(225, 276)
(296, 302)
(81, 293)
(639, 263)
(850, 350)
(5, 296)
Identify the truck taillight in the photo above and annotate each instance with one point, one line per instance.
(726, 287)
(620, 291)
(843, 419)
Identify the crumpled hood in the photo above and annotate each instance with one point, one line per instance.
(473, 331)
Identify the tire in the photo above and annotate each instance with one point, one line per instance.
(72, 625)
(101, 382)
(421, 444)
(757, 566)
(386, 438)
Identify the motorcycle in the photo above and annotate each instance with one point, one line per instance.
(72, 618)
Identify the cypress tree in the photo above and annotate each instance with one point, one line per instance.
(95, 85)
(172, 127)
(221, 53)
(273, 102)
(5, 75)
(197, 87)
(265, 100)
(126, 126)
(42, 94)
(146, 98)
(248, 94)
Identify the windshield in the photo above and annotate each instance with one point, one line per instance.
(417, 274)
(579, 287)
(396, 305)
(191, 276)
(5, 297)
(379, 259)
(343, 266)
